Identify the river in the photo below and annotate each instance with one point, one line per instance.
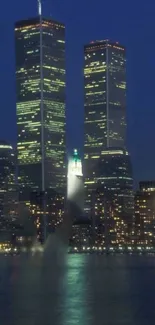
(77, 289)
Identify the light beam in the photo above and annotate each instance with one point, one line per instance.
(39, 8)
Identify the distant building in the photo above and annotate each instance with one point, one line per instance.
(8, 193)
(81, 239)
(145, 214)
(112, 201)
(47, 211)
(104, 232)
(75, 184)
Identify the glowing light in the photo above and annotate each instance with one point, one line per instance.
(39, 7)
(74, 175)
(75, 165)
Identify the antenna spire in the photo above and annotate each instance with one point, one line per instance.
(39, 7)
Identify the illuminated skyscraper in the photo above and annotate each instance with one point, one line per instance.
(105, 103)
(55, 203)
(145, 214)
(105, 96)
(112, 200)
(81, 235)
(75, 186)
(7, 183)
(40, 79)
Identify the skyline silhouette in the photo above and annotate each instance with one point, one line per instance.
(85, 22)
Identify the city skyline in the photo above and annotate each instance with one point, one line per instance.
(77, 175)
(141, 153)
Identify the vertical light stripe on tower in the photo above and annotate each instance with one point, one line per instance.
(39, 8)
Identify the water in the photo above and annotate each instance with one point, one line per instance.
(77, 289)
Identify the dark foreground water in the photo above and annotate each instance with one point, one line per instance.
(77, 289)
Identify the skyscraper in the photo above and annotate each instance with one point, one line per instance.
(80, 240)
(75, 186)
(105, 104)
(105, 96)
(40, 80)
(7, 183)
(113, 201)
(145, 214)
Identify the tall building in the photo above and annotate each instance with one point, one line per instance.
(81, 237)
(7, 183)
(105, 96)
(40, 82)
(145, 214)
(112, 200)
(105, 105)
(75, 184)
(55, 205)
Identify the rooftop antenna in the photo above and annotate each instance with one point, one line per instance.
(39, 8)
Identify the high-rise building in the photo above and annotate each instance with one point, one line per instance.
(105, 105)
(105, 96)
(145, 214)
(7, 183)
(40, 81)
(81, 237)
(55, 206)
(75, 184)
(112, 201)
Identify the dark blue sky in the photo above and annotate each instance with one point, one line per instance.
(132, 23)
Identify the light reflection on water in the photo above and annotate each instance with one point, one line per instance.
(110, 290)
(77, 289)
(75, 300)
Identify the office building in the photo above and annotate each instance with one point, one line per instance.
(105, 96)
(81, 238)
(7, 184)
(47, 211)
(40, 86)
(145, 214)
(105, 106)
(112, 201)
(75, 184)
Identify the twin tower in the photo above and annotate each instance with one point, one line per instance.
(40, 86)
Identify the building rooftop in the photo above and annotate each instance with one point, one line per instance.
(148, 186)
(5, 145)
(99, 44)
(36, 21)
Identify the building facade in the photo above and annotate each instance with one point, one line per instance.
(112, 201)
(105, 96)
(40, 84)
(47, 211)
(8, 193)
(75, 184)
(145, 214)
(81, 238)
(105, 107)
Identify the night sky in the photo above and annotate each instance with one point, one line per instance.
(132, 23)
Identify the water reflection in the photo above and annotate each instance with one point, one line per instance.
(62, 289)
(109, 290)
(51, 283)
(142, 289)
(26, 289)
(5, 291)
(75, 299)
